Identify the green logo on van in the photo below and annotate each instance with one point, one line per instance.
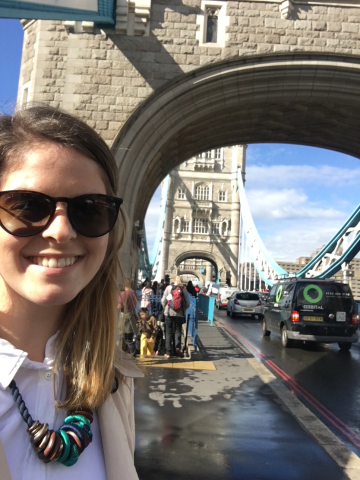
(278, 294)
(308, 298)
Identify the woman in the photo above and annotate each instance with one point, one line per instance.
(58, 304)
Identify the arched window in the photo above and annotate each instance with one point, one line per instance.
(177, 223)
(212, 24)
(202, 192)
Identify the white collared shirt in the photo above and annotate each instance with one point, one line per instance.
(35, 381)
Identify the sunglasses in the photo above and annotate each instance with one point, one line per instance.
(24, 213)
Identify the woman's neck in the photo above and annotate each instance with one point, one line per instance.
(28, 326)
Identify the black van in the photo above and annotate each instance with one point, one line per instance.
(311, 310)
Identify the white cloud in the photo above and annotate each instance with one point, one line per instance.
(269, 176)
(266, 204)
(298, 239)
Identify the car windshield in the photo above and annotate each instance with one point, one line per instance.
(332, 296)
(247, 296)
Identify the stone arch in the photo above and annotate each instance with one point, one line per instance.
(196, 273)
(303, 98)
(216, 261)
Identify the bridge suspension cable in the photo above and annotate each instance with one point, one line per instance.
(156, 252)
(335, 255)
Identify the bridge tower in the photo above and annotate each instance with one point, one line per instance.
(202, 213)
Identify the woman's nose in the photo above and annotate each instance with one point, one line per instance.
(60, 228)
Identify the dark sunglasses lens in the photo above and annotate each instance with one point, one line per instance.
(93, 215)
(24, 213)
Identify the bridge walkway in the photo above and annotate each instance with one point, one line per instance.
(223, 423)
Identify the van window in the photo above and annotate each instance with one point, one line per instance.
(272, 294)
(334, 296)
(247, 296)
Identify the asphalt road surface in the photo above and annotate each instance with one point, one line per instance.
(325, 379)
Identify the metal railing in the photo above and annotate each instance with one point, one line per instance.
(192, 322)
(206, 305)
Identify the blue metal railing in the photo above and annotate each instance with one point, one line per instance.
(206, 305)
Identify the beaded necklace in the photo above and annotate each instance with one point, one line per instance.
(66, 444)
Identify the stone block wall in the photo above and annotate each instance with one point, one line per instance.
(103, 77)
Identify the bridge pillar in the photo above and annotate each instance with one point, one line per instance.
(208, 274)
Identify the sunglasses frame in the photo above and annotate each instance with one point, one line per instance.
(69, 201)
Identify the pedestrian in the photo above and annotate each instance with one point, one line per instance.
(63, 381)
(190, 288)
(146, 294)
(148, 328)
(127, 302)
(175, 302)
(155, 287)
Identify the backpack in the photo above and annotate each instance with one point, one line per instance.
(177, 301)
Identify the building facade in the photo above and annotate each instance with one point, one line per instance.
(202, 216)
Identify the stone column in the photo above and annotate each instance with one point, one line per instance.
(208, 274)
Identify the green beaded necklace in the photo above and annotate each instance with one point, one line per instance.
(64, 445)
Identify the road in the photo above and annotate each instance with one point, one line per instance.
(325, 379)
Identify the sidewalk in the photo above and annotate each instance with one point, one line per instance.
(206, 424)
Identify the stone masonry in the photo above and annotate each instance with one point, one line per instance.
(159, 93)
(104, 77)
(202, 214)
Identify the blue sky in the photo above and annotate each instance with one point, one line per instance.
(299, 196)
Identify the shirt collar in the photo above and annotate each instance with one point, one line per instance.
(11, 359)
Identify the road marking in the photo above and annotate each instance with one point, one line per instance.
(188, 365)
(337, 450)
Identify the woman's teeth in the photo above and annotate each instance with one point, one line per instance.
(54, 262)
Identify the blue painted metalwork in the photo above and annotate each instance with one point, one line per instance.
(265, 265)
(192, 318)
(105, 13)
(206, 305)
(157, 247)
(336, 254)
(336, 243)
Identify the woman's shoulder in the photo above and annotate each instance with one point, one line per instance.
(127, 367)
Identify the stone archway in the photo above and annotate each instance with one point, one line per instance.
(214, 259)
(310, 99)
(195, 273)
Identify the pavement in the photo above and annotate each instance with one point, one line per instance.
(221, 415)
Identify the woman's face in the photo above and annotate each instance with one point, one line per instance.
(58, 172)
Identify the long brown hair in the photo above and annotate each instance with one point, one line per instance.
(86, 344)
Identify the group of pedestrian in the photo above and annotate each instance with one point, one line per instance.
(161, 314)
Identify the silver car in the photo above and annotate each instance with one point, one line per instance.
(245, 303)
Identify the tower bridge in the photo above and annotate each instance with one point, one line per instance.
(163, 82)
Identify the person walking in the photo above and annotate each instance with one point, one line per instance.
(175, 302)
(190, 288)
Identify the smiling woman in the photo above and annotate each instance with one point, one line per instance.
(59, 240)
